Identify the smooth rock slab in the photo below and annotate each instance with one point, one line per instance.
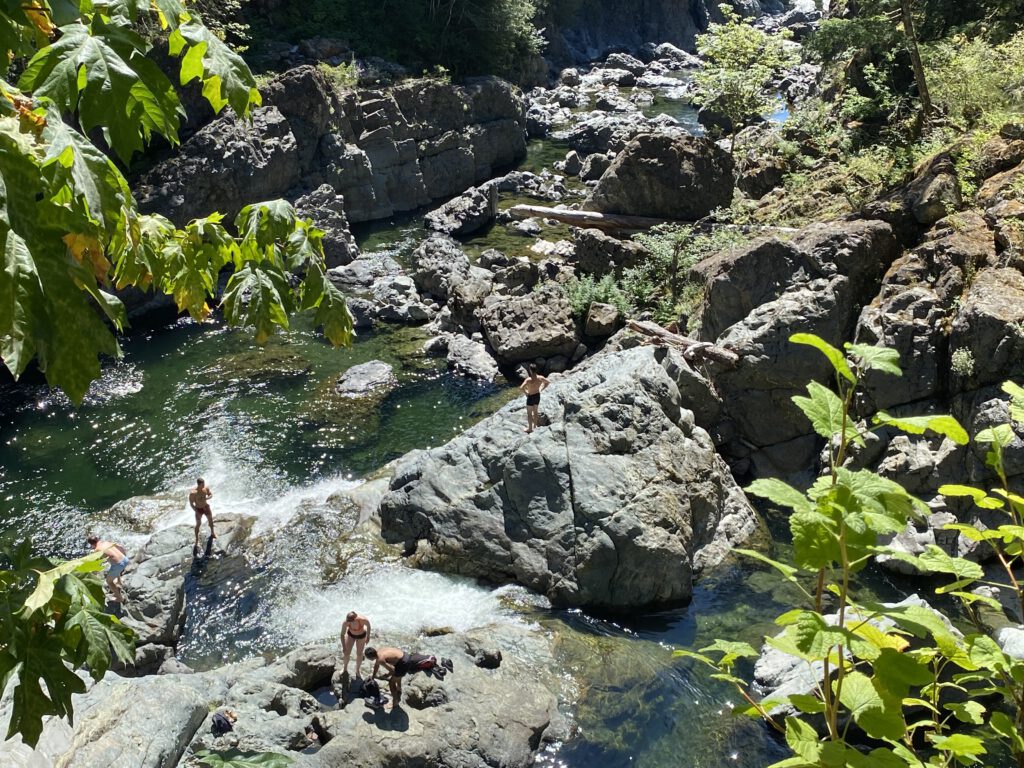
(366, 379)
(614, 506)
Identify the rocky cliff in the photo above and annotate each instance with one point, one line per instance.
(377, 151)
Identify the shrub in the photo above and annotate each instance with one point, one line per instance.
(962, 362)
(584, 291)
(342, 76)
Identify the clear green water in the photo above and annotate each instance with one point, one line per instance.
(261, 424)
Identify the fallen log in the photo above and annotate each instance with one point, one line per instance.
(621, 222)
(691, 348)
(611, 221)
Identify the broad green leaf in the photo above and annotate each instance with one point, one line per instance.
(1016, 393)
(258, 296)
(731, 651)
(234, 758)
(967, 712)
(834, 356)
(959, 744)
(898, 673)
(1001, 723)
(873, 358)
(815, 540)
(986, 654)
(780, 493)
(980, 498)
(881, 718)
(807, 704)
(234, 83)
(788, 571)
(802, 739)
(824, 410)
(100, 71)
(98, 632)
(1001, 434)
(331, 307)
(945, 426)
(47, 580)
(936, 560)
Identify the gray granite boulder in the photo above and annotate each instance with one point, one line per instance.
(614, 506)
(366, 379)
(473, 210)
(672, 177)
(524, 328)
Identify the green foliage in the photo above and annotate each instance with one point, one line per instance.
(468, 37)
(70, 230)
(584, 291)
(52, 622)
(233, 758)
(740, 63)
(660, 283)
(922, 693)
(962, 362)
(973, 81)
(343, 76)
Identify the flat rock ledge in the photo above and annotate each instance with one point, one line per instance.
(614, 506)
(475, 716)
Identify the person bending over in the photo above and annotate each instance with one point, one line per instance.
(118, 559)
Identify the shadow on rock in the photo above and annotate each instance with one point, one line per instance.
(395, 720)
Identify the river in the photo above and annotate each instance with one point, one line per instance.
(258, 424)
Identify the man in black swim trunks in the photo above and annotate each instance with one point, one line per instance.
(400, 663)
(533, 385)
(199, 500)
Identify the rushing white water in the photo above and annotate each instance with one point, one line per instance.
(398, 600)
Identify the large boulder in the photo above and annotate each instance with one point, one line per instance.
(327, 210)
(597, 253)
(615, 506)
(473, 210)
(989, 325)
(156, 598)
(438, 266)
(524, 328)
(755, 298)
(672, 177)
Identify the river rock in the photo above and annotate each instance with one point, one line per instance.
(626, 62)
(438, 265)
(366, 378)
(594, 166)
(473, 210)
(608, 131)
(602, 319)
(360, 275)
(614, 506)
(154, 584)
(382, 150)
(931, 195)
(915, 307)
(817, 283)
(471, 358)
(665, 176)
(524, 328)
(989, 324)
(327, 210)
(597, 253)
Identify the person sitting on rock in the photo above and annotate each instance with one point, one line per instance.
(533, 385)
(119, 560)
(401, 663)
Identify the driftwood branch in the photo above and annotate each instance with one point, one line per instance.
(610, 221)
(691, 348)
(616, 222)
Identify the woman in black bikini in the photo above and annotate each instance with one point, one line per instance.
(354, 631)
(533, 386)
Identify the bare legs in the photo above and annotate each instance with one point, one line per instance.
(346, 646)
(115, 587)
(199, 521)
(532, 418)
(395, 685)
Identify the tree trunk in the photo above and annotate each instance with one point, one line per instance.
(915, 57)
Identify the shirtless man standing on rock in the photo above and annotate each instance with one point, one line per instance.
(198, 499)
(532, 386)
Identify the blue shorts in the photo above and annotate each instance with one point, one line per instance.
(117, 569)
